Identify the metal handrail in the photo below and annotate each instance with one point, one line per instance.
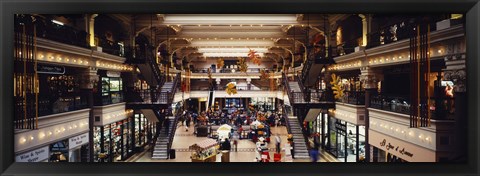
(172, 132)
(285, 115)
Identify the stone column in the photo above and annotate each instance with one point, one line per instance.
(249, 86)
(88, 82)
(365, 22)
(91, 29)
(456, 72)
(369, 79)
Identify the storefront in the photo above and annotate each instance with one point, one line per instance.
(78, 148)
(390, 149)
(112, 133)
(111, 87)
(345, 139)
(59, 89)
(264, 103)
(144, 130)
(113, 142)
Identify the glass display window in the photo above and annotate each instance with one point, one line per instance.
(107, 144)
(97, 143)
(59, 151)
(137, 131)
(112, 91)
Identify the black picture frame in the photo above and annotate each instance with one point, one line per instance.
(9, 7)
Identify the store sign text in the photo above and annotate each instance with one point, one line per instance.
(392, 147)
(50, 69)
(78, 141)
(33, 156)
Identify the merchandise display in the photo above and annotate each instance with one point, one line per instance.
(204, 151)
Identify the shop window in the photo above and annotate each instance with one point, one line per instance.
(59, 151)
(112, 91)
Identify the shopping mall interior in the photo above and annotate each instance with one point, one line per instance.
(240, 88)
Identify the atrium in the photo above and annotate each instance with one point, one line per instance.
(240, 88)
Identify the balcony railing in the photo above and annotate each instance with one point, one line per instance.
(353, 97)
(241, 88)
(47, 29)
(390, 103)
(111, 47)
(229, 70)
(107, 100)
(399, 31)
(445, 110)
(64, 104)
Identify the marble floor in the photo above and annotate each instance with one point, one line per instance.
(245, 153)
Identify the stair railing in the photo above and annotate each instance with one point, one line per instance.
(287, 88)
(285, 115)
(172, 131)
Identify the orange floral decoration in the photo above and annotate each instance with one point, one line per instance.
(264, 75)
(252, 54)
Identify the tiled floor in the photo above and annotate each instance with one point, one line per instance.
(246, 148)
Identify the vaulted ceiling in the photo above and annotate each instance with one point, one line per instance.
(273, 36)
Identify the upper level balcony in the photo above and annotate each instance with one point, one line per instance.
(353, 97)
(53, 31)
(399, 104)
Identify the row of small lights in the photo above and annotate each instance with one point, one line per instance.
(231, 38)
(120, 114)
(402, 131)
(110, 65)
(77, 61)
(346, 65)
(85, 62)
(246, 25)
(337, 114)
(233, 47)
(41, 135)
(373, 62)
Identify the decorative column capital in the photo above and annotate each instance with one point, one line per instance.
(370, 77)
(89, 78)
(455, 71)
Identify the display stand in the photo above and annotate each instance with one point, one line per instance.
(204, 151)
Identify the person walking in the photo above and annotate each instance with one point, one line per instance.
(235, 141)
(278, 142)
(314, 153)
(187, 122)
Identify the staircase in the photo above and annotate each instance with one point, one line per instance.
(313, 67)
(293, 127)
(294, 86)
(160, 151)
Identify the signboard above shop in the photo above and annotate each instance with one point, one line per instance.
(50, 69)
(78, 141)
(38, 155)
(113, 74)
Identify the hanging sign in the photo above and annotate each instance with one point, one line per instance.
(78, 141)
(50, 69)
(113, 74)
(34, 156)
